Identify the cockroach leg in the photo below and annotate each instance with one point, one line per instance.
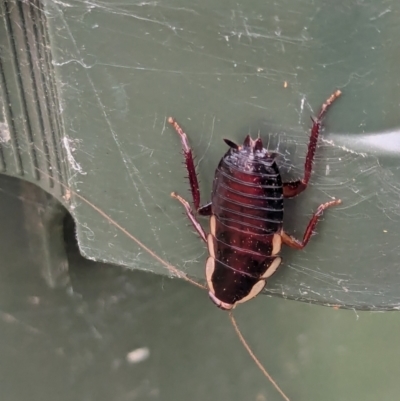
(205, 210)
(291, 189)
(191, 216)
(295, 243)
(187, 153)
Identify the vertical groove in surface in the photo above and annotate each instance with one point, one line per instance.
(35, 83)
(8, 112)
(4, 129)
(49, 85)
(29, 93)
(12, 33)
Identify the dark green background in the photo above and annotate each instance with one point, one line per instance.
(72, 343)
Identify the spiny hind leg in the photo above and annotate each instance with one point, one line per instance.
(191, 216)
(190, 167)
(292, 189)
(295, 243)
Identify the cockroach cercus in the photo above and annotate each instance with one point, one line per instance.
(246, 214)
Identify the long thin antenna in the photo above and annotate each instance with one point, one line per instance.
(255, 359)
(171, 268)
(174, 270)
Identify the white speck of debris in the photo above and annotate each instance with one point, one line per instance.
(34, 300)
(138, 355)
(302, 104)
(328, 170)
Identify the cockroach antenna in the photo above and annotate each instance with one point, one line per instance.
(255, 359)
(246, 218)
(170, 267)
(246, 209)
(173, 270)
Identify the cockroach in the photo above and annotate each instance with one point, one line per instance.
(246, 214)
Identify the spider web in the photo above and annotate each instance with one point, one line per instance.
(234, 70)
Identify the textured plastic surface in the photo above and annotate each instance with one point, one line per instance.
(31, 235)
(115, 71)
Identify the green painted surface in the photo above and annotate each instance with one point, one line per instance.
(122, 68)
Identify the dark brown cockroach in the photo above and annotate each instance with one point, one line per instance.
(246, 212)
(246, 215)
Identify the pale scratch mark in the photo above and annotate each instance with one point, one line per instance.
(385, 212)
(303, 99)
(153, 228)
(95, 331)
(278, 33)
(314, 274)
(324, 65)
(209, 142)
(188, 10)
(120, 11)
(193, 73)
(258, 106)
(355, 312)
(325, 140)
(5, 135)
(388, 10)
(144, 151)
(355, 75)
(280, 39)
(8, 318)
(202, 73)
(247, 29)
(64, 4)
(155, 121)
(73, 60)
(163, 128)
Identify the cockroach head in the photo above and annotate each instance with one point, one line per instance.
(248, 144)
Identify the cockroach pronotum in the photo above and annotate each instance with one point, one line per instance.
(246, 214)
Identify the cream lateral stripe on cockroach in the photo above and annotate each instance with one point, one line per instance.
(175, 271)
